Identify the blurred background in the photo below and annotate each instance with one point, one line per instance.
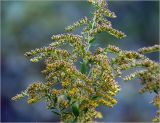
(28, 25)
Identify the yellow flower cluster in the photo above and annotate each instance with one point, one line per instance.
(20, 96)
(156, 102)
(65, 84)
(36, 91)
(77, 24)
(145, 50)
(149, 73)
(75, 94)
(109, 29)
(73, 40)
(157, 117)
(91, 113)
(103, 79)
(98, 3)
(64, 103)
(107, 13)
(44, 52)
(57, 43)
(101, 23)
(78, 86)
(68, 37)
(32, 100)
(106, 103)
(114, 49)
(127, 60)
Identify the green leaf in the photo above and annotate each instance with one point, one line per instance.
(94, 97)
(92, 40)
(75, 109)
(90, 25)
(72, 102)
(52, 108)
(83, 68)
(55, 100)
(69, 98)
(156, 91)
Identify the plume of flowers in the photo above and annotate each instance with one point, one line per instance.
(74, 94)
(149, 73)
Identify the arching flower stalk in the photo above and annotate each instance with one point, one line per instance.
(75, 94)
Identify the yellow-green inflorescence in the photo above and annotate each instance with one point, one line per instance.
(149, 73)
(75, 94)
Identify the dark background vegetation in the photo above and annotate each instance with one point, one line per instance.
(29, 25)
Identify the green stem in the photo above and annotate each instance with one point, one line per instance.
(89, 38)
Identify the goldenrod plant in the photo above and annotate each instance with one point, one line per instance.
(74, 94)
